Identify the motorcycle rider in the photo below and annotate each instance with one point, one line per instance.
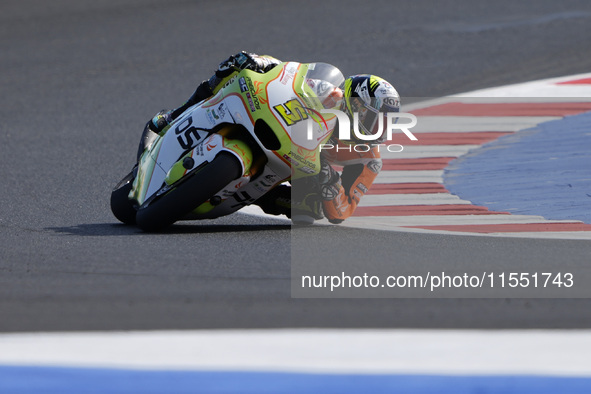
(334, 195)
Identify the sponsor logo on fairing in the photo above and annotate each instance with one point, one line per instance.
(288, 75)
(243, 87)
(250, 103)
(253, 93)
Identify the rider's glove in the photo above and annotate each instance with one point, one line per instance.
(330, 182)
(240, 61)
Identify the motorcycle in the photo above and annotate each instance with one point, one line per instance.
(256, 132)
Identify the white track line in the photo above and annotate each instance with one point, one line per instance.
(546, 90)
(413, 152)
(437, 220)
(454, 124)
(410, 176)
(482, 352)
(387, 226)
(376, 200)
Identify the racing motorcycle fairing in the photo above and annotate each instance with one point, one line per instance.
(261, 119)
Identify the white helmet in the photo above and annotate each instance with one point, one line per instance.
(370, 97)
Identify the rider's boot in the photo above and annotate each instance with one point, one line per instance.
(277, 201)
(306, 210)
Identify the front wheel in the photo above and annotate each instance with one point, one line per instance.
(196, 190)
(121, 206)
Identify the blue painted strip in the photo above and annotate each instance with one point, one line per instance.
(541, 171)
(50, 380)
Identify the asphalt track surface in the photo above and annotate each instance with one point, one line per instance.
(79, 80)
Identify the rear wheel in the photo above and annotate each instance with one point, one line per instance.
(121, 206)
(196, 190)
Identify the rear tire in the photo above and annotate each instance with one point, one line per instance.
(121, 206)
(196, 190)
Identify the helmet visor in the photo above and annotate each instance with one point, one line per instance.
(369, 114)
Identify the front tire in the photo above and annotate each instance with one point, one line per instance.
(121, 206)
(196, 190)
